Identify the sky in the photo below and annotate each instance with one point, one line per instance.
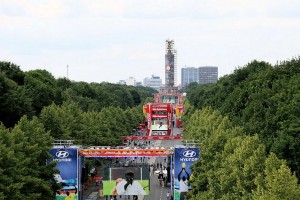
(112, 40)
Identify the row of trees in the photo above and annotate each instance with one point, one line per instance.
(233, 164)
(106, 127)
(264, 100)
(36, 108)
(27, 93)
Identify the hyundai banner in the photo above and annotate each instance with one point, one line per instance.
(184, 158)
(67, 164)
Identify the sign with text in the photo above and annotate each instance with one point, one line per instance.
(67, 164)
(125, 152)
(158, 137)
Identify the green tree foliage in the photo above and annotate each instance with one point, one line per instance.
(106, 127)
(12, 72)
(8, 164)
(276, 182)
(24, 151)
(29, 92)
(143, 93)
(264, 100)
(95, 96)
(234, 165)
(63, 122)
(63, 83)
(136, 97)
(90, 114)
(14, 102)
(41, 86)
(96, 130)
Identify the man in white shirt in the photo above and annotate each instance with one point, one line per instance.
(183, 183)
(129, 186)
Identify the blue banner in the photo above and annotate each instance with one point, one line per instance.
(183, 159)
(67, 164)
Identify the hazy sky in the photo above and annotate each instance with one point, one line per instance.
(110, 40)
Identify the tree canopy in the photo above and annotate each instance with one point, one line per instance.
(233, 164)
(264, 100)
(36, 109)
(248, 125)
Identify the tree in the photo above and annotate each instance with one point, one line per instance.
(14, 102)
(63, 122)
(263, 100)
(277, 181)
(31, 146)
(23, 173)
(12, 72)
(41, 86)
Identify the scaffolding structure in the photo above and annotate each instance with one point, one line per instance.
(170, 64)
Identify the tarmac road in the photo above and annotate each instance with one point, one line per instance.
(156, 191)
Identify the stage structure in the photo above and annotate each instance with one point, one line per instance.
(104, 152)
(155, 137)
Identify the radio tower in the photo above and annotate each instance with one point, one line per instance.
(170, 64)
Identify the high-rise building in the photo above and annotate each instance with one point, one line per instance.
(189, 75)
(201, 75)
(208, 74)
(170, 64)
(154, 82)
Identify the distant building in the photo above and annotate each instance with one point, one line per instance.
(208, 74)
(154, 82)
(201, 75)
(189, 75)
(121, 82)
(138, 83)
(130, 81)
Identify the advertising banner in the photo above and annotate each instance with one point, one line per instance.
(161, 137)
(184, 158)
(126, 181)
(67, 164)
(125, 152)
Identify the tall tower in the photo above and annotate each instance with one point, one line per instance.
(170, 64)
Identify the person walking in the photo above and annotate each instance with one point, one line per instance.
(168, 195)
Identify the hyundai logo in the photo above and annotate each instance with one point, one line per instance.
(189, 153)
(62, 154)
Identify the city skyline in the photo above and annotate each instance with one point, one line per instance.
(110, 41)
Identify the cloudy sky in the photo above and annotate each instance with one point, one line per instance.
(110, 40)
